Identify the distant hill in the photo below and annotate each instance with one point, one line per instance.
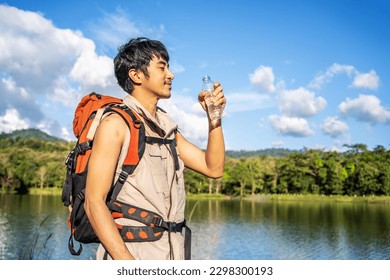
(40, 135)
(273, 152)
(30, 133)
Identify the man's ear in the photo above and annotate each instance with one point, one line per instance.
(135, 76)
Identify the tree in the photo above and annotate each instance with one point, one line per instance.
(195, 182)
(335, 175)
(242, 174)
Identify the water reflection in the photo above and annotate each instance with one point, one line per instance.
(291, 230)
(34, 227)
(233, 229)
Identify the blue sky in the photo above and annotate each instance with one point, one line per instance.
(296, 74)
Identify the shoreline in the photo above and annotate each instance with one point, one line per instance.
(256, 197)
(298, 198)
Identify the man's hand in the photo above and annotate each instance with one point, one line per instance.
(219, 97)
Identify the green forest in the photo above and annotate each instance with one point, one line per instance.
(30, 159)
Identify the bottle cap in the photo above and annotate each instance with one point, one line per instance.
(206, 78)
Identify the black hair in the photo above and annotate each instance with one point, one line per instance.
(136, 54)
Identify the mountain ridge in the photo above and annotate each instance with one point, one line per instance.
(30, 133)
(39, 134)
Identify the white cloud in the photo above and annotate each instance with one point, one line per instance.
(93, 70)
(35, 52)
(263, 78)
(334, 127)
(14, 96)
(333, 70)
(340, 69)
(9, 86)
(32, 45)
(366, 108)
(11, 121)
(290, 126)
(66, 135)
(45, 68)
(62, 91)
(366, 80)
(301, 103)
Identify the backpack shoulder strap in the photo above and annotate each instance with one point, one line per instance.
(164, 141)
(95, 123)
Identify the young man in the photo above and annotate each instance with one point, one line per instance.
(142, 70)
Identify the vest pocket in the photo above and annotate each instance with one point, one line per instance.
(157, 160)
(157, 166)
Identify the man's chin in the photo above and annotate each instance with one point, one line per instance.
(165, 96)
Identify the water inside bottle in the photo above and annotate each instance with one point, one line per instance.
(214, 111)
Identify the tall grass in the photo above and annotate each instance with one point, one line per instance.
(37, 248)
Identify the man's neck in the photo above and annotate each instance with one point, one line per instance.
(147, 101)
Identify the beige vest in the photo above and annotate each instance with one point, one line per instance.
(155, 185)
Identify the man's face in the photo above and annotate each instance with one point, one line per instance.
(160, 78)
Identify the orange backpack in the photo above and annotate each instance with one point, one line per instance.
(87, 117)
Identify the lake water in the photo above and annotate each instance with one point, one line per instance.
(34, 227)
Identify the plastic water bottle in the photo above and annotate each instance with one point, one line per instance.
(214, 111)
